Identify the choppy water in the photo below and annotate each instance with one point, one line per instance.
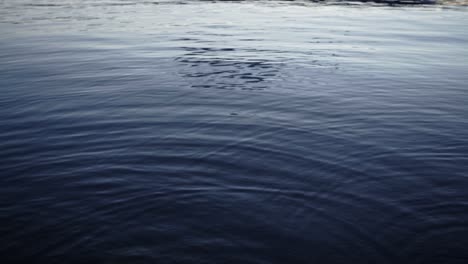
(222, 132)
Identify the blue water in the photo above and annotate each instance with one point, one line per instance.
(233, 132)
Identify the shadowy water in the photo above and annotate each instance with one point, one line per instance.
(223, 132)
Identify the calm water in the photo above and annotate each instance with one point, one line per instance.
(233, 132)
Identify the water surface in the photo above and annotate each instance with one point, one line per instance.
(233, 132)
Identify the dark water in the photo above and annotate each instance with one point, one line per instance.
(251, 132)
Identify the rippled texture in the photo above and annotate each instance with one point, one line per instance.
(251, 132)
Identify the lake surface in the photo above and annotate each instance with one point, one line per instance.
(233, 132)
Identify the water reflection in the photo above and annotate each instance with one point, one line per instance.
(219, 68)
